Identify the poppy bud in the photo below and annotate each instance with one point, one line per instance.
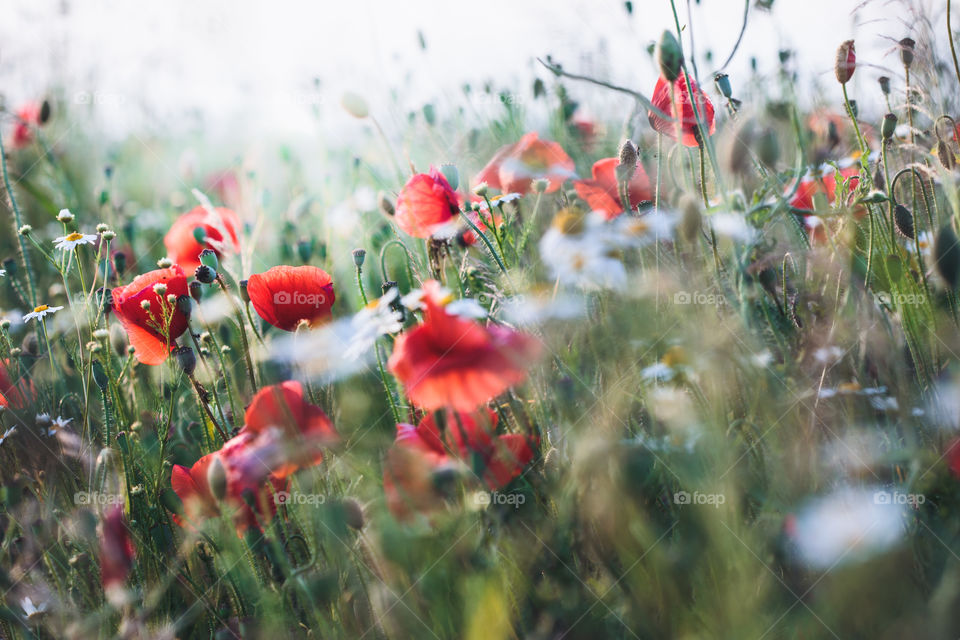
(945, 154)
(450, 172)
(669, 57)
(187, 359)
(889, 126)
(946, 256)
(903, 220)
(217, 478)
(690, 218)
(353, 513)
(722, 81)
(205, 274)
(359, 255)
(355, 105)
(305, 249)
(99, 375)
(185, 305)
(196, 290)
(120, 262)
(386, 205)
(244, 294)
(846, 62)
(884, 85)
(10, 266)
(45, 110)
(768, 147)
(209, 258)
(628, 154)
(106, 298)
(906, 51)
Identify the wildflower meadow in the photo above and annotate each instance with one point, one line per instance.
(692, 371)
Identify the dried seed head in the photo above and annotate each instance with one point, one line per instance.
(846, 62)
(628, 154)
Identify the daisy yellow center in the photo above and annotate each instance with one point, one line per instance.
(569, 221)
(41, 308)
(73, 237)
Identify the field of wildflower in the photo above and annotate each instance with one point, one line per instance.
(692, 374)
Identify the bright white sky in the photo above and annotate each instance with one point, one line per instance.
(245, 66)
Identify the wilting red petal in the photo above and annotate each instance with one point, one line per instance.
(531, 159)
(284, 296)
(220, 226)
(116, 549)
(450, 362)
(151, 336)
(16, 395)
(679, 106)
(426, 203)
(603, 192)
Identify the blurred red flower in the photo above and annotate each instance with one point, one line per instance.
(116, 550)
(811, 185)
(448, 361)
(679, 106)
(28, 116)
(152, 331)
(603, 192)
(515, 166)
(284, 296)
(16, 395)
(199, 229)
(426, 203)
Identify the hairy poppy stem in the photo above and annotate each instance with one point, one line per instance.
(486, 241)
(17, 222)
(204, 402)
(376, 348)
(953, 48)
(243, 331)
(864, 149)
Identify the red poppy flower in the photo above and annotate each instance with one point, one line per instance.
(285, 433)
(218, 229)
(603, 192)
(116, 550)
(420, 453)
(426, 203)
(953, 457)
(28, 116)
(515, 166)
(826, 183)
(680, 107)
(16, 395)
(193, 488)
(226, 186)
(284, 296)
(452, 362)
(153, 331)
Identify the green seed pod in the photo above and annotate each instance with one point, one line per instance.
(722, 81)
(205, 274)
(888, 126)
(906, 51)
(946, 256)
(903, 220)
(209, 258)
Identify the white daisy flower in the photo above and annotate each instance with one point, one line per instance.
(6, 434)
(3, 272)
(40, 312)
(466, 308)
(31, 609)
(732, 225)
(501, 199)
(74, 240)
(57, 424)
(377, 319)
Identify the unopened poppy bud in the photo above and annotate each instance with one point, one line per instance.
(846, 62)
(196, 290)
(355, 105)
(906, 51)
(768, 147)
(45, 112)
(164, 263)
(353, 513)
(187, 359)
(884, 85)
(946, 256)
(889, 126)
(185, 305)
(205, 274)
(25, 230)
(903, 220)
(452, 175)
(722, 81)
(359, 255)
(105, 296)
(945, 154)
(244, 294)
(386, 205)
(628, 154)
(669, 57)
(305, 249)
(209, 258)
(65, 216)
(540, 185)
(99, 375)
(120, 262)
(217, 478)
